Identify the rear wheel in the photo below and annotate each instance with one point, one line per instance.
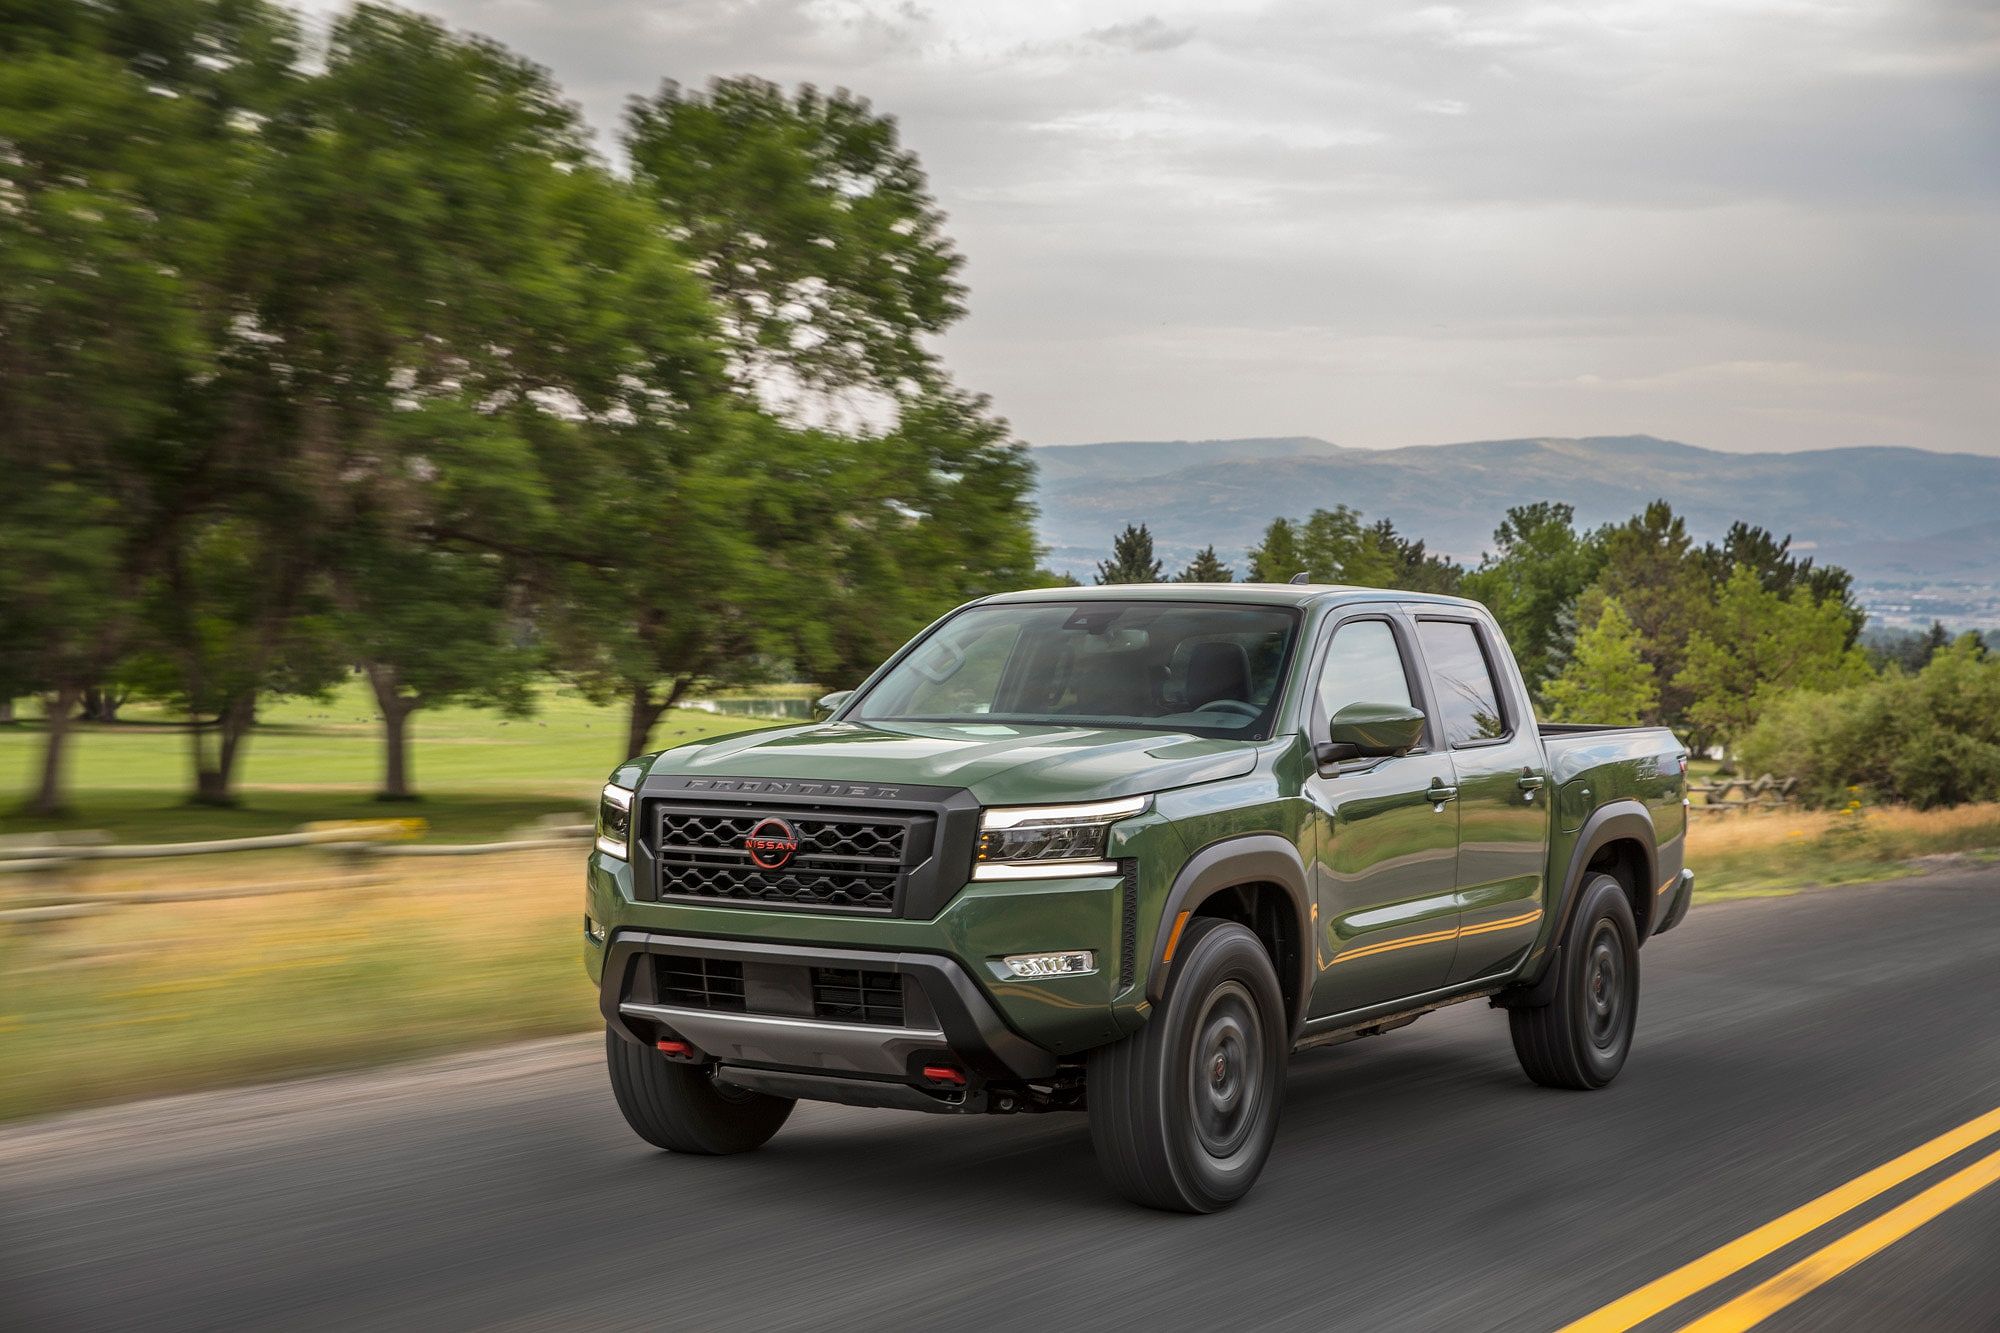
(1183, 1111)
(1581, 1037)
(682, 1108)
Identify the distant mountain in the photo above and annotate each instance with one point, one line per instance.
(1888, 514)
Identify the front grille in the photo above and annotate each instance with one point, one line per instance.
(846, 995)
(852, 863)
(699, 983)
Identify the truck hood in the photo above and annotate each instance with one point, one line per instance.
(1002, 764)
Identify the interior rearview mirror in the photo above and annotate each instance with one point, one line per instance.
(1372, 731)
(829, 704)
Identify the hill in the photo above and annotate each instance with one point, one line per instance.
(1889, 514)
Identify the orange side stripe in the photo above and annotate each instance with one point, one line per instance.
(1437, 937)
(1389, 946)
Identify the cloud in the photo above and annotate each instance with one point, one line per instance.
(1145, 35)
(1398, 223)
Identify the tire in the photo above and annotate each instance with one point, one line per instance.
(1581, 1037)
(680, 1107)
(1183, 1111)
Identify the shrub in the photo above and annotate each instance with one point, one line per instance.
(1928, 740)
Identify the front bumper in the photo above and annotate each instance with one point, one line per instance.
(982, 923)
(949, 1016)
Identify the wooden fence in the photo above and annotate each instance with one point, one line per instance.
(1724, 795)
(40, 874)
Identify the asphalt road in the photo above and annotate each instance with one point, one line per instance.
(1785, 1046)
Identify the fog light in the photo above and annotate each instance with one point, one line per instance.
(1033, 966)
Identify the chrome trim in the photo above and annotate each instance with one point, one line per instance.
(992, 870)
(802, 1043)
(1098, 812)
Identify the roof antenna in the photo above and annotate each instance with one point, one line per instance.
(1299, 577)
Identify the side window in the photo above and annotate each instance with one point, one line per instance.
(1466, 692)
(1363, 665)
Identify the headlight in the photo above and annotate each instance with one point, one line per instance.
(614, 822)
(1050, 841)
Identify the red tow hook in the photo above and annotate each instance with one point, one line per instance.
(944, 1074)
(675, 1049)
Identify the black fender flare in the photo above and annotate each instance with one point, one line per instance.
(1255, 858)
(1610, 822)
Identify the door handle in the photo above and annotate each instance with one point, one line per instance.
(1530, 783)
(1439, 792)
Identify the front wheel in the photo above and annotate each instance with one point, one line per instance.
(682, 1108)
(1183, 1111)
(1581, 1037)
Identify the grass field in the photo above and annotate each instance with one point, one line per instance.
(479, 774)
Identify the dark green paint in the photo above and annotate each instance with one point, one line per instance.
(1385, 862)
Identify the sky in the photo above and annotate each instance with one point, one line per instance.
(1745, 224)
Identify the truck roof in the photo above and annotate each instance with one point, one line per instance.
(1270, 594)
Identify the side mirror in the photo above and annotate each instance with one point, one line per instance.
(1372, 731)
(829, 704)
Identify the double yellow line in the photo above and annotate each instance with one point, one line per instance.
(1824, 1264)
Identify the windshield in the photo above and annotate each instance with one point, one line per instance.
(1207, 668)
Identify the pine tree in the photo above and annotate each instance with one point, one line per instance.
(1206, 567)
(1131, 558)
(1607, 680)
(1280, 556)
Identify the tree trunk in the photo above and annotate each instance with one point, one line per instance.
(395, 756)
(61, 706)
(215, 781)
(647, 711)
(6, 710)
(396, 709)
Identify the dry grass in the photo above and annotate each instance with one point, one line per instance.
(1783, 850)
(163, 998)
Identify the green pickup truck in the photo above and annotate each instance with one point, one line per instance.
(1123, 850)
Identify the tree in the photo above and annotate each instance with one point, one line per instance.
(219, 632)
(125, 137)
(1929, 738)
(1779, 571)
(1759, 644)
(1607, 679)
(1278, 557)
(1131, 558)
(1331, 542)
(1206, 567)
(833, 529)
(438, 273)
(1387, 559)
(430, 626)
(1648, 567)
(813, 225)
(1539, 566)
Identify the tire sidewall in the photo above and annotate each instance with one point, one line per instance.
(1604, 902)
(1223, 953)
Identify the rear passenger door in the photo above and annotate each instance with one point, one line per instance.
(1503, 799)
(1384, 874)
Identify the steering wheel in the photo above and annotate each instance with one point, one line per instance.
(1236, 706)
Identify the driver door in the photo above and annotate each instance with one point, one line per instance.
(1386, 846)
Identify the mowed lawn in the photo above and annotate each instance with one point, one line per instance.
(479, 774)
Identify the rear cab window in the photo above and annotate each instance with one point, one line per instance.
(1462, 678)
